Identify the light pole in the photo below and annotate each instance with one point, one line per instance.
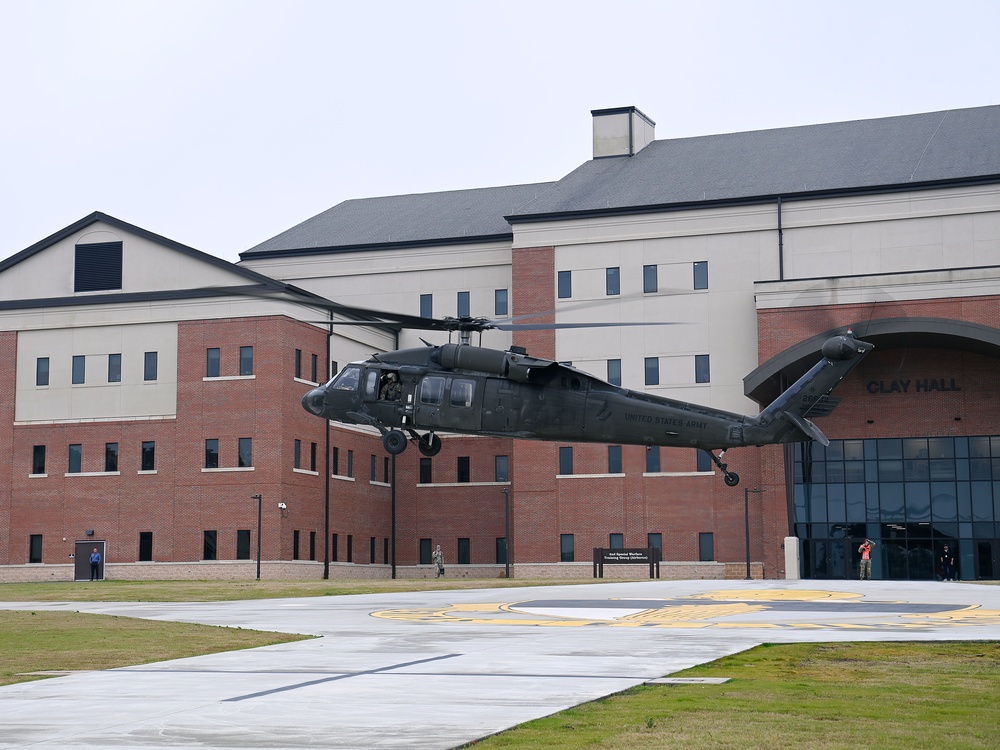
(259, 499)
(746, 522)
(506, 532)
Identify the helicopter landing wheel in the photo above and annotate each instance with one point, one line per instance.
(394, 441)
(429, 444)
(731, 478)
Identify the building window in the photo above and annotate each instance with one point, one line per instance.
(243, 544)
(374, 468)
(210, 545)
(655, 541)
(566, 459)
(212, 453)
(612, 279)
(501, 550)
(614, 459)
(350, 548)
(425, 471)
(464, 305)
(616, 541)
(111, 456)
(706, 546)
(312, 545)
(704, 461)
(148, 455)
(501, 302)
(145, 546)
(565, 284)
(649, 281)
(701, 369)
(79, 369)
(385, 550)
(615, 371)
(313, 448)
(246, 360)
(350, 463)
(212, 363)
(149, 365)
(333, 548)
(653, 459)
(566, 551)
(245, 455)
(501, 469)
(114, 368)
(298, 363)
(385, 469)
(652, 365)
(425, 551)
(372, 549)
(297, 455)
(97, 267)
(335, 462)
(296, 538)
(464, 551)
(35, 548)
(42, 371)
(426, 305)
(464, 471)
(314, 368)
(75, 458)
(38, 459)
(701, 274)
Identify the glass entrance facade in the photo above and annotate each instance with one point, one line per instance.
(911, 496)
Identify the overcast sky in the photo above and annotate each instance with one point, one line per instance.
(220, 123)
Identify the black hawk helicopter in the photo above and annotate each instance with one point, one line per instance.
(412, 394)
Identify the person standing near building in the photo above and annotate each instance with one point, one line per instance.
(866, 558)
(438, 558)
(95, 565)
(947, 564)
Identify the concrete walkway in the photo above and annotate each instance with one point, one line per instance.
(440, 669)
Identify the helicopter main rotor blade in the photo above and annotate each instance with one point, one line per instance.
(551, 326)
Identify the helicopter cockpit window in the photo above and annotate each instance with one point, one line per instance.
(432, 390)
(461, 392)
(347, 380)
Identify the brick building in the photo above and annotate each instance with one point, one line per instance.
(757, 244)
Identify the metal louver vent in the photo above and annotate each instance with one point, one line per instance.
(98, 267)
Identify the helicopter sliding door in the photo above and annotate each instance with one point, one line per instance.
(447, 402)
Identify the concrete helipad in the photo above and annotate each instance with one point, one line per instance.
(440, 669)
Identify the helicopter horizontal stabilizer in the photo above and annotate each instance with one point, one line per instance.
(807, 427)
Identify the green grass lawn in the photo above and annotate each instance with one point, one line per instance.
(917, 696)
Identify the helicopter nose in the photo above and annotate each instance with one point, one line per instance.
(314, 401)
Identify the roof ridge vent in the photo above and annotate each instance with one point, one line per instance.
(621, 131)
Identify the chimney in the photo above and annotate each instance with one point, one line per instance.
(622, 131)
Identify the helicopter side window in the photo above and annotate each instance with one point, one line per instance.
(432, 390)
(461, 392)
(347, 380)
(371, 383)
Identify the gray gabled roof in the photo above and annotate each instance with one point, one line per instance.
(423, 219)
(891, 152)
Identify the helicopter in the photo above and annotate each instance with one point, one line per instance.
(412, 394)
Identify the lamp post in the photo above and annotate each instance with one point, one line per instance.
(259, 499)
(746, 522)
(506, 531)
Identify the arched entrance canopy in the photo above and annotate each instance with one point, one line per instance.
(764, 384)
